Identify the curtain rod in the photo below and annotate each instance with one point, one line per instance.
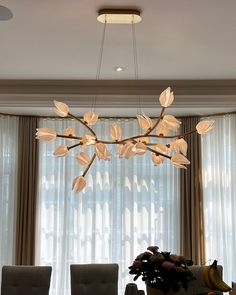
(113, 117)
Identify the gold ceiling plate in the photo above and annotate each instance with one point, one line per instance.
(119, 16)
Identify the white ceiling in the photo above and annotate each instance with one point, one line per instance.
(60, 39)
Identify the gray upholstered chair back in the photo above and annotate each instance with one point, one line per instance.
(25, 280)
(94, 279)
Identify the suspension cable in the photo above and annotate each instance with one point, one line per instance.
(100, 56)
(135, 57)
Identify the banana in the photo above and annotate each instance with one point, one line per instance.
(216, 280)
(206, 270)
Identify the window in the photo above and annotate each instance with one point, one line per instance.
(127, 206)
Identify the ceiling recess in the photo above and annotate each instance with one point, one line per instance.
(119, 16)
(5, 13)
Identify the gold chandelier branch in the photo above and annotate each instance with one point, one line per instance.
(69, 136)
(89, 165)
(158, 153)
(128, 138)
(143, 135)
(85, 125)
(74, 145)
(157, 122)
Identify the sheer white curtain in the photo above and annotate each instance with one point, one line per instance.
(219, 181)
(8, 186)
(127, 206)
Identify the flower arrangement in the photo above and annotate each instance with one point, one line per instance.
(162, 270)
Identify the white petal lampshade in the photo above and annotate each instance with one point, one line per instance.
(161, 147)
(83, 158)
(69, 132)
(144, 122)
(102, 151)
(205, 126)
(170, 122)
(129, 150)
(166, 98)
(115, 131)
(161, 130)
(61, 109)
(183, 146)
(121, 150)
(88, 140)
(179, 161)
(79, 184)
(179, 146)
(46, 134)
(61, 151)
(157, 160)
(139, 148)
(91, 118)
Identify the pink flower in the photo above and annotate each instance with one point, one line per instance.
(144, 256)
(153, 249)
(137, 263)
(157, 257)
(176, 258)
(168, 265)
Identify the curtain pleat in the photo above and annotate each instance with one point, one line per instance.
(191, 195)
(27, 191)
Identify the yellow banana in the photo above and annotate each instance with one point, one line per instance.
(206, 270)
(216, 280)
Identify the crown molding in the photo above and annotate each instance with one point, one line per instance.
(113, 93)
(150, 87)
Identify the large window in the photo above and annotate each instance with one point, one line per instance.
(126, 206)
(219, 181)
(8, 186)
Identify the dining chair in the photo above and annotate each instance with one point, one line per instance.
(90, 279)
(25, 280)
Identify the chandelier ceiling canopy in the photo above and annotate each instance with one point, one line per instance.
(119, 16)
(146, 142)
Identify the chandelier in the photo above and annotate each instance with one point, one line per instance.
(174, 151)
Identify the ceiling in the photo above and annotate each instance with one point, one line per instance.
(49, 50)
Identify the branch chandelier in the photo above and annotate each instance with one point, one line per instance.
(140, 144)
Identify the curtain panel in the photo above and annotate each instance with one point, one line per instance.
(8, 187)
(219, 191)
(126, 206)
(26, 191)
(191, 192)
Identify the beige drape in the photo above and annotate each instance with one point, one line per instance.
(192, 224)
(26, 194)
(192, 229)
